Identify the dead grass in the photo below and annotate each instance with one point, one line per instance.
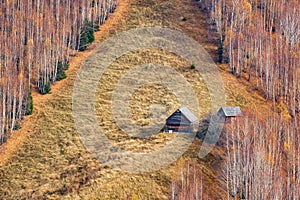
(46, 159)
(145, 96)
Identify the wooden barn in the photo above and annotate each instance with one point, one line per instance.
(182, 120)
(229, 112)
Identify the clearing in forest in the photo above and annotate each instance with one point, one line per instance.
(52, 162)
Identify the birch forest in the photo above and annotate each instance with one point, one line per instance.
(36, 40)
(260, 42)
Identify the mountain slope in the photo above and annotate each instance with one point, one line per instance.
(52, 163)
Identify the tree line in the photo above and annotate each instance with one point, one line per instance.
(260, 40)
(36, 39)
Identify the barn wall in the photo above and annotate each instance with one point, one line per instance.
(177, 119)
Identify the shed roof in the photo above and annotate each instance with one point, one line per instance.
(188, 114)
(231, 111)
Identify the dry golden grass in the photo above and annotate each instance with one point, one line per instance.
(46, 159)
(145, 96)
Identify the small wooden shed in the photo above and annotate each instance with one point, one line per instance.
(182, 120)
(229, 112)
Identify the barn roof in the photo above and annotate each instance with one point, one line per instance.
(231, 111)
(188, 114)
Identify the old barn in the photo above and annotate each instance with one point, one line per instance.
(182, 120)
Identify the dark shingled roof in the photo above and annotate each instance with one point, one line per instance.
(188, 114)
(231, 111)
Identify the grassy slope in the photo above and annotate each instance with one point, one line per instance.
(52, 163)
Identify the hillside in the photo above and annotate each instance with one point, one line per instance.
(46, 159)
